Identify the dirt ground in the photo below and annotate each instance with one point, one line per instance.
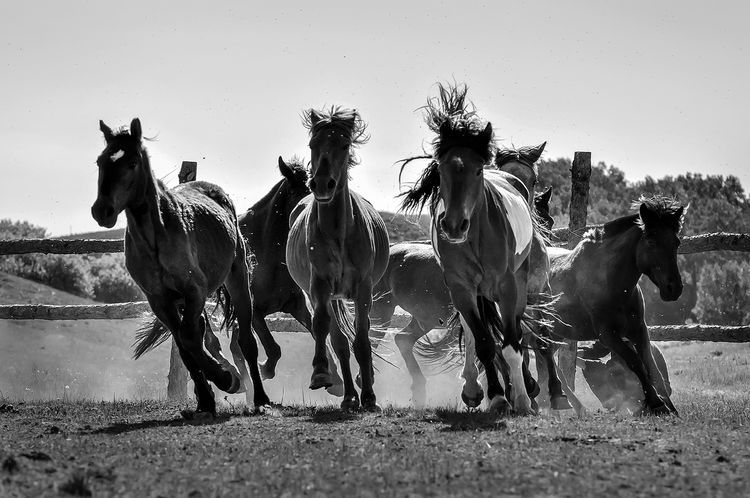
(146, 449)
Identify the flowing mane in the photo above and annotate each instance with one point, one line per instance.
(668, 213)
(455, 122)
(337, 119)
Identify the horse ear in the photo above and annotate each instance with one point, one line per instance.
(647, 216)
(315, 116)
(546, 195)
(106, 130)
(487, 132)
(135, 129)
(536, 152)
(284, 168)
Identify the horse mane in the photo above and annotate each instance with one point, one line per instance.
(347, 121)
(454, 120)
(668, 210)
(524, 155)
(665, 209)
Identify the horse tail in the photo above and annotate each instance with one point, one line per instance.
(344, 318)
(224, 299)
(541, 316)
(490, 315)
(149, 336)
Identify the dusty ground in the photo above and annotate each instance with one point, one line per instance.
(146, 449)
(60, 437)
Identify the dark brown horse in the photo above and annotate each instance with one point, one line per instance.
(482, 230)
(266, 228)
(600, 296)
(338, 249)
(181, 245)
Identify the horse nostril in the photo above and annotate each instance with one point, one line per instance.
(331, 184)
(464, 225)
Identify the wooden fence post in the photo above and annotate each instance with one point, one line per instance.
(580, 173)
(177, 378)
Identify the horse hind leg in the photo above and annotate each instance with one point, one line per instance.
(557, 398)
(213, 346)
(405, 341)
(238, 286)
(270, 346)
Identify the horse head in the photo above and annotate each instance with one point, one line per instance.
(656, 256)
(121, 167)
(333, 136)
(521, 163)
(294, 186)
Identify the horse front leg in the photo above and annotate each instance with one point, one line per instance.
(362, 345)
(472, 393)
(166, 311)
(654, 403)
(512, 307)
(300, 313)
(638, 334)
(465, 303)
(321, 291)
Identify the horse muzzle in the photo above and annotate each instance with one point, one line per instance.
(455, 233)
(323, 188)
(104, 214)
(671, 291)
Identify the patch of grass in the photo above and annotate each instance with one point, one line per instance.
(77, 485)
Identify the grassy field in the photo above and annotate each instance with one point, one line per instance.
(77, 415)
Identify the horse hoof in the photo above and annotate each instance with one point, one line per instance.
(267, 370)
(236, 385)
(320, 379)
(336, 390)
(350, 404)
(560, 403)
(524, 409)
(500, 405)
(261, 400)
(657, 410)
(472, 401)
(534, 406)
(371, 406)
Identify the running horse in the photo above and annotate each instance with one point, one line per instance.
(601, 299)
(481, 230)
(338, 249)
(181, 245)
(265, 226)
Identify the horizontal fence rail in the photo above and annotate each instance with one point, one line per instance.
(690, 244)
(281, 322)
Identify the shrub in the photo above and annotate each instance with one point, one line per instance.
(724, 293)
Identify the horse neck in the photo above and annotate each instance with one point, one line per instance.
(143, 213)
(335, 217)
(617, 256)
(269, 219)
(525, 174)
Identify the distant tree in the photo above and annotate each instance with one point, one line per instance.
(724, 293)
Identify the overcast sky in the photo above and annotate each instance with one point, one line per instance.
(653, 88)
